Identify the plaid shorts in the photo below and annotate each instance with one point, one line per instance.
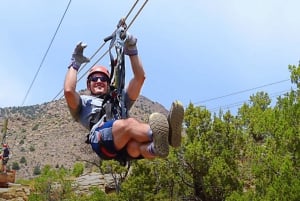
(104, 144)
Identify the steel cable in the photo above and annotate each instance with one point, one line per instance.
(101, 57)
(46, 53)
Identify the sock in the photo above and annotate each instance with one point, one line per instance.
(150, 149)
(150, 135)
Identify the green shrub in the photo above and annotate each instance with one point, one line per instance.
(32, 148)
(15, 166)
(23, 160)
(37, 170)
(78, 169)
(35, 127)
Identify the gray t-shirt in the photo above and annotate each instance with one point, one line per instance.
(90, 106)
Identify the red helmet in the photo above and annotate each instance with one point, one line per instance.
(4, 145)
(98, 69)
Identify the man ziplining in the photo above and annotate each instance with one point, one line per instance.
(120, 138)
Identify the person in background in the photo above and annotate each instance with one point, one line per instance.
(5, 156)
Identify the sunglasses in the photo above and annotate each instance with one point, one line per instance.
(102, 78)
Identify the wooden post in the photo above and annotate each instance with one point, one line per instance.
(4, 126)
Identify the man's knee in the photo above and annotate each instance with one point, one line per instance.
(124, 124)
(133, 149)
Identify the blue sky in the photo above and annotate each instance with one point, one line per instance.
(195, 51)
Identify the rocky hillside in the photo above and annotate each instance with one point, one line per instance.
(47, 135)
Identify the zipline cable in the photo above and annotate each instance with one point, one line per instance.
(131, 22)
(46, 53)
(106, 52)
(130, 11)
(139, 11)
(239, 92)
(236, 104)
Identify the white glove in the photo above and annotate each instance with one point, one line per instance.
(130, 48)
(77, 56)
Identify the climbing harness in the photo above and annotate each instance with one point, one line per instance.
(113, 105)
(115, 102)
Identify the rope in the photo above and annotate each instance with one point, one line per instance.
(46, 53)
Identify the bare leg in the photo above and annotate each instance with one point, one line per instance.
(135, 149)
(125, 130)
(144, 151)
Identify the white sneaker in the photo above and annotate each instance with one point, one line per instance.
(160, 129)
(175, 119)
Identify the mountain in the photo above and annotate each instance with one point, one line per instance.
(46, 134)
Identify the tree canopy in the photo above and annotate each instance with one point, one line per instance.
(253, 155)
